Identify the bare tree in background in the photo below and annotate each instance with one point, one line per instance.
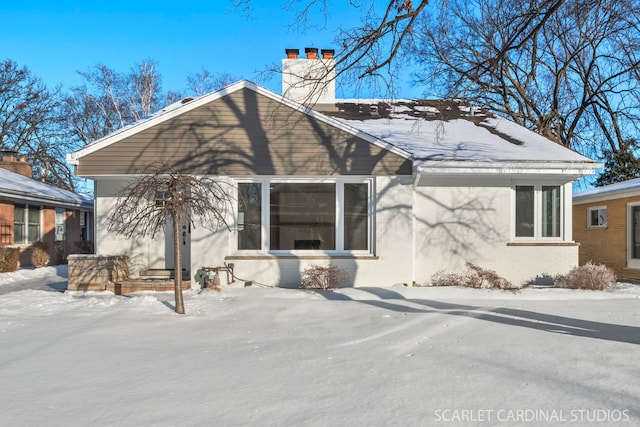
(204, 82)
(576, 81)
(110, 100)
(162, 196)
(31, 123)
(372, 53)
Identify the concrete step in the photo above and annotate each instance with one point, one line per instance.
(158, 273)
(128, 286)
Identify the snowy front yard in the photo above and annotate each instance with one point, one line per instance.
(354, 357)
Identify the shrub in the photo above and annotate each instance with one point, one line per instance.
(591, 276)
(318, 277)
(82, 247)
(60, 252)
(9, 259)
(473, 277)
(40, 254)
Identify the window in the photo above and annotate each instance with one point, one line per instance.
(538, 211)
(84, 226)
(332, 215)
(19, 235)
(26, 224)
(249, 215)
(303, 216)
(60, 224)
(597, 217)
(161, 198)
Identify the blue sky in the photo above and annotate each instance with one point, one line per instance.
(55, 39)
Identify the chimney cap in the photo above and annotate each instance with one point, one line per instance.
(292, 53)
(327, 53)
(312, 52)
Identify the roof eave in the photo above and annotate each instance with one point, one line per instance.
(566, 170)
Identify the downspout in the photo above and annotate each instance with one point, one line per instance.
(414, 221)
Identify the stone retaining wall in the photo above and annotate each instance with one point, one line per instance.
(93, 272)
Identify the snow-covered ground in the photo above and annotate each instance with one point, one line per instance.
(391, 356)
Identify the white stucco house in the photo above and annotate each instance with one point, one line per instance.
(391, 192)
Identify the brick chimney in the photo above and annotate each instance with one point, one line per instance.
(310, 80)
(11, 160)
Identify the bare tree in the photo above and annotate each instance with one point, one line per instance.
(111, 100)
(204, 82)
(31, 123)
(575, 81)
(162, 195)
(371, 54)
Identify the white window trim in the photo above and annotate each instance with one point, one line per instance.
(565, 225)
(631, 262)
(266, 216)
(63, 224)
(596, 208)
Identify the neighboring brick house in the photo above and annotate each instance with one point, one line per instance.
(35, 213)
(606, 223)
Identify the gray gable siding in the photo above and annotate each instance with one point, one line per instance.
(245, 133)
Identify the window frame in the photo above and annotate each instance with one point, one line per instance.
(26, 224)
(60, 224)
(633, 263)
(598, 209)
(339, 182)
(538, 211)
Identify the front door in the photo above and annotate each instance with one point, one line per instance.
(185, 241)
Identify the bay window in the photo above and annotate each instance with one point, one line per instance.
(281, 216)
(538, 211)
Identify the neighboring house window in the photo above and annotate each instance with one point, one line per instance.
(84, 226)
(597, 217)
(538, 211)
(26, 228)
(332, 215)
(60, 224)
(633, 231)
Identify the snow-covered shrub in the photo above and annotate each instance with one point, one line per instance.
(588, 276)
(319, 277)
(40, 254)
(9, 259)
(444, 278)
(473, 277)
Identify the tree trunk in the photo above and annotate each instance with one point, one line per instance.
(177, 263)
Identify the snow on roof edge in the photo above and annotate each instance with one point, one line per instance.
(631, 185)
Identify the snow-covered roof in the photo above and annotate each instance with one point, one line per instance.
(436, 134)
(611, 191)
(493, 139)
(16, 187)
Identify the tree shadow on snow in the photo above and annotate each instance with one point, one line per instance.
(390, 300)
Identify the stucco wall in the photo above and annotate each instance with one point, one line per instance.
(453, 225)
(143, 252)
(391, 262)
(459, 224)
